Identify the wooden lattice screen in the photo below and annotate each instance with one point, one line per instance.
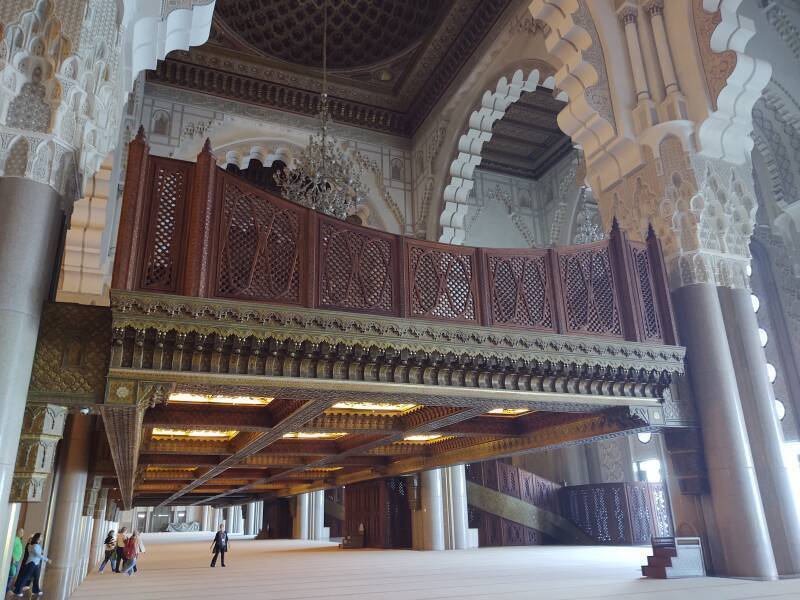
(197, 230)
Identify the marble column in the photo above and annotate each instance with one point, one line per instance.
(300, 522)
(317, 515)
(741, 526)
(763, 428)
(457, 492)
(205, 521)
(64, 537)
(250, 525)
(30, 218)
(432, 508)
(99, 532)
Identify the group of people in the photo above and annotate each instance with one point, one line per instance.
(122, 551)
(26, 564)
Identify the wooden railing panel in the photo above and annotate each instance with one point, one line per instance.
(442, 282)
(162, 261)
(359, 268)
(519, 290)
(588, 292)
(196, 230)
(262, 245)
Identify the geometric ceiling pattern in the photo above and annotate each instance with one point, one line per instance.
(390, 61)
(527, 141)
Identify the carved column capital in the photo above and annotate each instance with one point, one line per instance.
(628, 15)
(654, 8)
(42, 428)
(91, 496)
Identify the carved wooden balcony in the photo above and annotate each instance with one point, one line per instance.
(222, 287)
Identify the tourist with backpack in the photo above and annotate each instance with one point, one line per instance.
(133, 548)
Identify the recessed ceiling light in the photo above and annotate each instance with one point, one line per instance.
(218, 399)
(204, 434)
(314, 435)
(509, 412)
(423, 437)
(375, 406)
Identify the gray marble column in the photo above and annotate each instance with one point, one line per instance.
(300, 522)
(317, 525)
(250, 524)
(432, 508)
(739, 514)
(763, 428)
(30, 218)
(455, 492)
(64, 536)
(99, 532)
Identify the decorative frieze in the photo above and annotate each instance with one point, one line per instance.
(42, 428)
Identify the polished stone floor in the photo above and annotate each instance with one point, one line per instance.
(176, 567)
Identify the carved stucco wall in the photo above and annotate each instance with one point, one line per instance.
(513, 212)
(66, 67)
(177, 123)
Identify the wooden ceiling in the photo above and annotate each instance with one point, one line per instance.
(527, 141)
(390, 62)
(364, 444)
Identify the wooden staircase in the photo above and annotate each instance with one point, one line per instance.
(674, 558)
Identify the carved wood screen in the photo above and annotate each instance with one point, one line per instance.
(171, 182)
(520, 289)
(646, 296)
(618, 513)
(382, 507)
(196, 230)
(262, 244)
(359, 268)
(588, 290)
(500, 476)
(442, 281)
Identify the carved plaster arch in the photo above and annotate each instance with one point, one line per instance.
(493, 107)
(572, 40)
(725, 133)
(154, 29)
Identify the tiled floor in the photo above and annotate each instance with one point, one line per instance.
(176, 567)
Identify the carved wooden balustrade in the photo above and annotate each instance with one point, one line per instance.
(195, 230)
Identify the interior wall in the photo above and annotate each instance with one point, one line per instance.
(177, 123)
(516, 212)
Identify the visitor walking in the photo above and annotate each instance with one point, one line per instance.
(16, 557)
(219, 546)
(31, 567)
(119, 549)
(133, 548)
(110, 547)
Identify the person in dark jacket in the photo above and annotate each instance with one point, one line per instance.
(219, 546)
(110, 547)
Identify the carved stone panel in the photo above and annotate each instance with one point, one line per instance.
(42, 428)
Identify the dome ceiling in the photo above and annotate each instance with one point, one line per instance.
(360, 32)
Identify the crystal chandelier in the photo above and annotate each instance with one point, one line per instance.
(323, 177)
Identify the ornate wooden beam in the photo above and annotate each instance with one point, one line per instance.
(292, 422)
(123, 413)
